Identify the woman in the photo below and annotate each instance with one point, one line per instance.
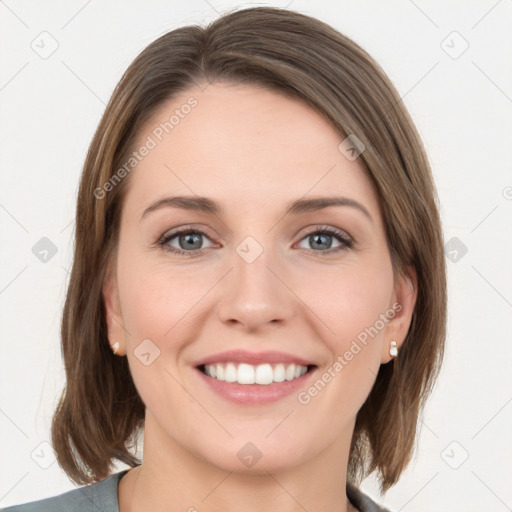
(258, 282)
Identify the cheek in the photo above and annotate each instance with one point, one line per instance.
(348, 298)
(158, 305)
(353, 304)
(156, 297)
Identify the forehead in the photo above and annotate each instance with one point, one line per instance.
(245, 146)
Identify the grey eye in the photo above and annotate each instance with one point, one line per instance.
(187, 241)
(320, 241)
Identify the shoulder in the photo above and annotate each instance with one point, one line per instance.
(361, 501)
(100, 496)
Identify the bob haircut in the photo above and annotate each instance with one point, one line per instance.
(100, 414)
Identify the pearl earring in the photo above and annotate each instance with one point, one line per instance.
(393, 350)
(115, 347)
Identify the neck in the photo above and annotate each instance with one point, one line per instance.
(173, 478)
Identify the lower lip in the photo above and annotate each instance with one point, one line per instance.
(256, 394)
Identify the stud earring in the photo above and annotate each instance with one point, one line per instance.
(393, 350)
(115, 347)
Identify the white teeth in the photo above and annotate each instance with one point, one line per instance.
(230, 375)
(279, 373)
(290, 372)
(245, 374)
(262, 374)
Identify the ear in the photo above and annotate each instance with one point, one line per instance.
(115, 325)
(404, 301)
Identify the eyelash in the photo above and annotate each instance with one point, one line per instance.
(341, 236)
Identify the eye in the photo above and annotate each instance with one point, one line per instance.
(187, 241)
(321, 240)
(190, 241)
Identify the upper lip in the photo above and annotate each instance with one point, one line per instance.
(254, 358)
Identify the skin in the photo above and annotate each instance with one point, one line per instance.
(253, 151)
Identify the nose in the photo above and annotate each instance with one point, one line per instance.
(255, 294)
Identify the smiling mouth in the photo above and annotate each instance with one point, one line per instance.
(262, 374)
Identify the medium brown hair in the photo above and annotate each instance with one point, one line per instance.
(100, 413)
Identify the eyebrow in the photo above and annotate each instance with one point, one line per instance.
(205, 204)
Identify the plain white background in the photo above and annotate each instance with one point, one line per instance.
(461, 101)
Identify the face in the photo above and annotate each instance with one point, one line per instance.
(254, 325)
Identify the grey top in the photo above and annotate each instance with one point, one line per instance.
(97, 497)
(102, 497)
